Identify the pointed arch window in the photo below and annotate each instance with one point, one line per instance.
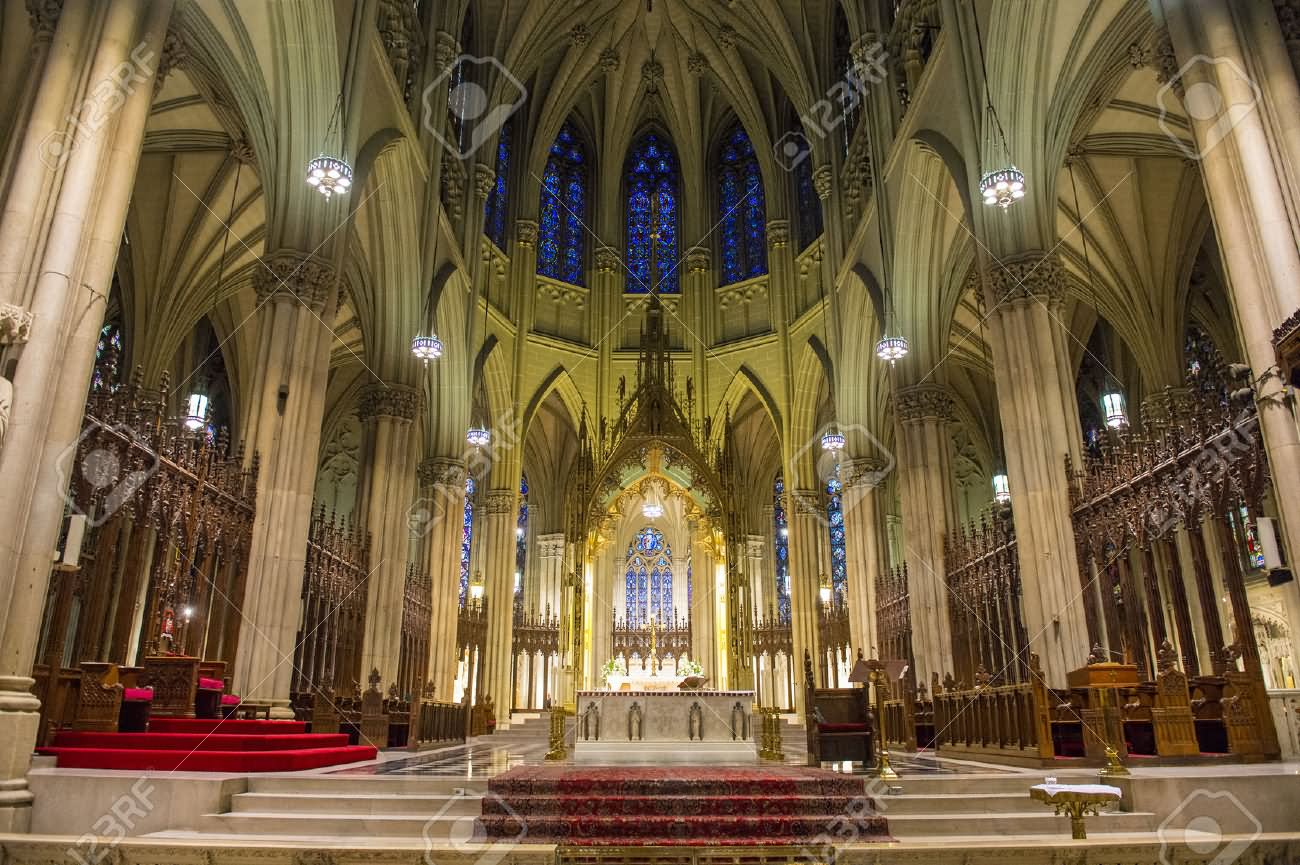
(742, 212)
(561, 235)
(648, 589)
(808, 207)
(835, 526)
(108, 358)
(651, 175)
(498, 202)
(781, 548)
(466, 540)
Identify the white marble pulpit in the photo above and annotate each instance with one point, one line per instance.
(656, 727)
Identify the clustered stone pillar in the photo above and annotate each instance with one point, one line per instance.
(807, 521)
(863, 552)
(56, 284)
(499, 515)
(296, 295)
(1040, 428)
(1247, 145)
(755, 556)
(442, 494)
(550, 556)
(387, 490)
(929, 513)
(704, 599)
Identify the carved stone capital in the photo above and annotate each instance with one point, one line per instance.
(607, 259)
(865, 472)
(922, 402)
(697, 64)
(441, 472)
(1166, 61)
(778, 233)
(727, 36)
(499, 502)
(446, 48)
(610, 60)
(484, 180)
(526, 232)
(175, 55)
(44, 15)
(806, 503)
(453, 188)
(398, 401)
(1029, 276)
(823, 181)
(698, 260)
(579, 35)
(754, 545)
(551, 546)
(289, 276)
(652, 74)
(15, 324)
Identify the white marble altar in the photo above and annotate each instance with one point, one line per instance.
(697, 727)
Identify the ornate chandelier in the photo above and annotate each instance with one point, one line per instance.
(1003, 187)
(196, 415)
(426, 348)
(329, 175)
(478, 436)
(892, 348)
(833, 439)
(1001, 488)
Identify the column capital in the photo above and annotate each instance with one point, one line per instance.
(1033, 275)
(526, 232)
(778, 233)
(607, 259)
(289, 276)
(442, 472)
(754, 546)
(15, 324)
(484, 179)
(398, 401)
(698, 260)
(806, 503)
(551, 546)
(823, 181)
(499, 502)
(446, 48)
(923, 402)
(45, 17)
(866, 472)
(175, 55)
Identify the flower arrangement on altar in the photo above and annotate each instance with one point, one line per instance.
(689, 668)
(614, 671)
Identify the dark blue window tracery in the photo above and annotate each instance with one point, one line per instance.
(498, 202)
(835, 523)
(466, 540)
(651, 176)
(808, 223)
(781, 546)
(564, 209)
(648, 589)
(742, 212)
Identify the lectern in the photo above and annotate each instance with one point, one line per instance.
(1103, 728)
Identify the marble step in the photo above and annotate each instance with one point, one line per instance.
(969, 784)
(340, 825)
(423, 804)
(961, 803)
(1025, 822)
(328, 786)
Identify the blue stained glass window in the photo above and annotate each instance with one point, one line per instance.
(808, 206)
(648, 590)
(521, 543)
(835, 521)
(742, 211)
(782, 549)
(562, 234)
(651, 177)
(466, 539)
(108, 358)
(498, 202)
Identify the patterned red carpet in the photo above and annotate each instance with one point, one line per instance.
(707, 805)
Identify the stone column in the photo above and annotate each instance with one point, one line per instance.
(759, 580)
(700, 290)
(385, 499)
(1040, 428)
(550, 555)
(442, 492)
(296, 296)
(704, 631)
(929, 513)
(606, 309)
(806, 514)
(863, 550)
(500, 511)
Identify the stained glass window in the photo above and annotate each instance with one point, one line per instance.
(782, 549)
(742, 213)
(648, 589)
(651, 176)
(835, 521)
(108, 358)
(521, 544)
(562, 235)
(467, 536)
(498, 202)
(809, 207)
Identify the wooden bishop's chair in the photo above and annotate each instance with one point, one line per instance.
(840, 722)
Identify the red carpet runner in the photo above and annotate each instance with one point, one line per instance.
(679, 806)
(207, 745)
